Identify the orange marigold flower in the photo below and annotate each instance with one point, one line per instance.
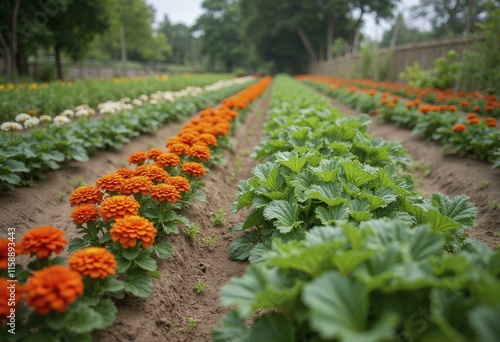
(471, 115)
(5, 297)
(152, 171)
(129, 229)
(53, 289)
(4, 253)
(118, 206)
(93, 262)
(195, 169)
(110, 182)
(188, 137)
(491, 122)
(208, 139)
(172, 141)
(452, 108)
(181, 183)
(125, 173)
(165, 192)
(136, 185)
(459, 127)
(221, 129)
(179, 148)
(84, 213)
(42, 241)
(474, 121)
(86, 194)
(137, 158)
(31, 112)
(207, 112)
(167, 159)
(476, 108)
(201, 152)
(376, 111)
(153, 153)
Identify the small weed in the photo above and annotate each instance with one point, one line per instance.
(192, 322)
(218, 219)
(482, 184)
(75, 183)
(192, 230)
(494, 204)
(426, 169)
(209, 242)
(200, 287)
(62, 196)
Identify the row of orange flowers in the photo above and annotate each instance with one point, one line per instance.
(120, 221)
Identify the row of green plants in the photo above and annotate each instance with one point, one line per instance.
(55, 97)
(345, 249)
(27, 157)
(123, 222)
(466, 135)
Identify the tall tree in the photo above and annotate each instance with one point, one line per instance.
(8, 33)
(179, 37)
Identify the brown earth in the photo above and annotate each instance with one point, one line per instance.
(164, 315)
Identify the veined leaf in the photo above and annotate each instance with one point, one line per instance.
(331, 193)
(284, 214)
(240, 248)
(291, 160)
(357, 174)
(441, 223)
(458, 208)
(332, 215)
(272, 327)
(232, 328)
(244, 197)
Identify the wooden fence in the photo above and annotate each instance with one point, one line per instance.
(392, 63)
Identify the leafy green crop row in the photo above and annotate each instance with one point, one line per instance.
(53, 98)
(344, 249)
(477, 137)
(26, 157)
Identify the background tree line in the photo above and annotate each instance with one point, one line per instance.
(231, 35)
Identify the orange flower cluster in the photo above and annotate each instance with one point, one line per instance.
(459, 127)
(86, 194)
(136, 185)
(41, 241)
(84, 213)
(491, 122)
(153, 153)
(93, 262)
(165, 192)
(181, 183)
(195, 169)
(110, 182)
(129, 229)
(125, 173)
(153, 172)
(118, 206)
(167, 159)
(137, 158)
(53, 289)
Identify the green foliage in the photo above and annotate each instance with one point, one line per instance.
(217, 217)
(209, 242)
(442, 76)
(200, 287)
(192, 231)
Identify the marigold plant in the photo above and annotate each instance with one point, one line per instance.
(84, 213)
(41, 241)
(93, 262)
(459, 127)
(153, 153)
(179, 148)
(53, 289)
(195, 169)
(181, 183)
(208, 139)
(201, 152)
(110, 182)
(129, 229)
(137, 158)
(118, 206)
(167, 159)
(125, 173)
(152, 171)
(86, 194)
(136, 185)
(165, 192)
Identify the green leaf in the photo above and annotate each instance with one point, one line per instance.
(113, 285)
(272, 327)
(83, 319)
(458, 208)
(484, 320)
(291, 160)
(16, 166)
(138, 282)
(131, 253)
(75, 244)
(163, 250)
(232, 328)
(347, 261)
(107, 310)
(257, 253)
(331, 193)
(332, 215)
(424, 243)
(145, 262)
(440, 223)
(56, 321)
(11, 179)
(244, 197)
(123, 264)
(284, 213)
(356, 174)
(240, 248)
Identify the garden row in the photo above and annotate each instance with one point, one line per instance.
(342, 247)
(465, 135)
(26, 157)
(55, 97)
(123, 222)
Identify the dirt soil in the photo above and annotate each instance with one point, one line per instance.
(164, 315)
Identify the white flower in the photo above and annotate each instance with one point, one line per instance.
(153, 101)
(31, 122)
(125, 99)
(137, 102)
(91, 111)
(67, 113)
(11, 126)
(61, 120)
(22, 117)
(127, 106)
(82, 112)
(45, 118)
(143, 97)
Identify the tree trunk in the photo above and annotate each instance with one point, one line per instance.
(9, 43)
(307, 44)
(124, 51)
(397, 27)
(470, 16)
(21, 60)
(329, 38)
(7, 57)
(58, 63)
(357, 26)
